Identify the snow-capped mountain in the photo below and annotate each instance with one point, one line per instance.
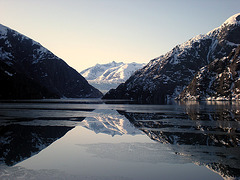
(165, 77)
(110, 75)
(41, 67)
(96, 71)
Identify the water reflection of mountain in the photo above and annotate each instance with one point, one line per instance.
(208, 135)
(18, 142)
(109, 122)
(27, 127)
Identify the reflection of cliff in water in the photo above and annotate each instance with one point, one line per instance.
(18, 142)
(29, 126)
(208, 135)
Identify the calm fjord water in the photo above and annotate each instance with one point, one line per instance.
(93, 139)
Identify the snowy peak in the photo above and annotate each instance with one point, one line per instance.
(228, 31)
(113, 72)
(119, 73)
(235, 19)
(94, 72)
(107, 76)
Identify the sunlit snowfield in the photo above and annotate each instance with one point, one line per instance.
(94, 139)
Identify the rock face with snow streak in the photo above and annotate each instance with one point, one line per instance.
(110, 75)
(166, 76)
(220, 80)
(39, 65)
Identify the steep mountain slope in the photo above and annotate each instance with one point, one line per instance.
(110, 75)
(35, 62)
(16, 85)
(220, 80)
(166, 76)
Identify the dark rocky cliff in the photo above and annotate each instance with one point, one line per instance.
(35, 62)
(16, 85)
(220, 80)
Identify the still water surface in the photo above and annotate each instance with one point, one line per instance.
(92, 139)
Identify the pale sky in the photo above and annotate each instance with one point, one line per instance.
(86, 32)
